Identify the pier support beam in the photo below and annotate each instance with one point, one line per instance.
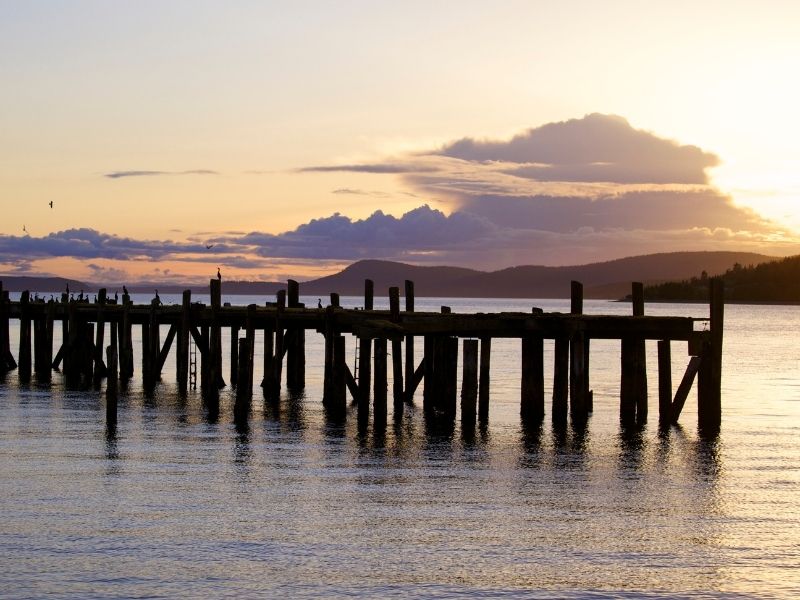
(709, 382)
(560, 379)
(633, 386)
(380, 382)
(397, 354)
(664, 383)
(410, 366)
(532, 386)
(24, 356)
(182, 349)
(484, 382)
(295, 343)
(469, 382)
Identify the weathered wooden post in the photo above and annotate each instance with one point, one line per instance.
(250, 336)
(182, 350)
(338, 403)
(295, 343)
(450, 376)
(148, 373)
(709, 382)
(46, 373)
(410, 367)
(469, 382)
(216, 381)
(428, 368)
(334, 299)
(532, 388)
(380, 382)
(24, 357)
(234, 355)
(397, 353)
(664, 382)
(483, 382)
(72, 370)
(126, 363)
(87, 353)
(277, 364)
(633, 387)
(577, 357)
(99, 344)
(365, 353)
(5, 345)
(560, 378)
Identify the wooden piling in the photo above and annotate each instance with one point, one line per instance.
(250, 336)
(633, 384)
(334, 299)
(338, 401)
(182, 349)
(369, 294)
(5, 343)
(234, 355)
(560, 379)
(380, 381)
(216, 380)
(709, 382)
(242, 405)
(410, 367)
(532, 386)
(664, 382)
(99, 344)
(469, 382)
(397, 352)
(46, 372)
(295, 343)
(24, 356)
(483, 382)
(577, 356)
(126, 363)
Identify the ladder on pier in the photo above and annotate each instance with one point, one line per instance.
(357, 355)
(192, 363)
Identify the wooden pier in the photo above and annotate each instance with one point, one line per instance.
(86, 357)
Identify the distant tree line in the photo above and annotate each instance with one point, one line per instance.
(777, 281)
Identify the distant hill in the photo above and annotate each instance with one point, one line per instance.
(609, 279)
(774, 281)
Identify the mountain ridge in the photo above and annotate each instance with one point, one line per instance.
(607, 279)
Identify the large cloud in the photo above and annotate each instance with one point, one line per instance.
(595, 148)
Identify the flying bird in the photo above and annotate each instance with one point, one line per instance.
(25, 230)
(209, 246)
(51, 204)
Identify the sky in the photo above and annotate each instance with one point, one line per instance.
(276, 140)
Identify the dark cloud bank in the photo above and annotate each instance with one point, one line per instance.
(577, 191)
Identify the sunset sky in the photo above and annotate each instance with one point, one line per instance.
(295, 138)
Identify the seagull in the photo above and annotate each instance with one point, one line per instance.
(209, 246)
(51, 204)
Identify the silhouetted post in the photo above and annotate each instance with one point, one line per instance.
(469, 382)
(633, 388)
(215, 338)
(268, 380)
(182, 351)
(664, 382)
(484, 383)
(410, 366)
(427, 365)
(99, 344)
(577, 356)
(450, 347)
(295, 343)
(111, 384)
(87, 352)
(709, 382)
(250, 335)
(334, 299)
(397, 352)
(532, 388)
(330, 336)
(126, 340)
(380, 382)
(560, 378)
(365, 353)
(147, 351)
(36, 322)
(338, 404)
(71, 351)
(5, 345)
(47, 347)
(24, 358)
(234, 355)
(205, 361)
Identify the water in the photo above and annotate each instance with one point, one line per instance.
(176, 503)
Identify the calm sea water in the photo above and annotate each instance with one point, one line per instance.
(176, 503)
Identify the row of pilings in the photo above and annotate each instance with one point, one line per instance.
(86, 358)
